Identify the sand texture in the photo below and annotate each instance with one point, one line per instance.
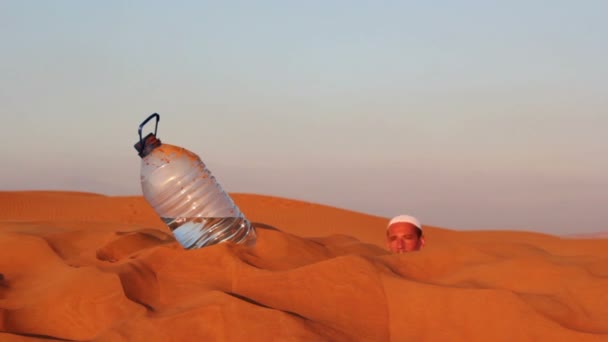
(88, 267)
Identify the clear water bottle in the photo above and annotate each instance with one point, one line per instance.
(187, 197)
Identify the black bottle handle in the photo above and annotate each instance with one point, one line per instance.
(141, 139)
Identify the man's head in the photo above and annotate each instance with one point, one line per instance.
(404, 234)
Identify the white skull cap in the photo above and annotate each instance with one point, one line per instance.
(407, 219)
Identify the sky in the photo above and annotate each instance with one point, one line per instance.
(467, 114)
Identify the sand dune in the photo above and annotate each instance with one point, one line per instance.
(79, 266)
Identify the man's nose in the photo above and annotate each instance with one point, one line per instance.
(400, 243)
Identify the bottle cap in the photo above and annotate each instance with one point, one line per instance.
(145, 145)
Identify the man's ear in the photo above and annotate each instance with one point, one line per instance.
(421, 241)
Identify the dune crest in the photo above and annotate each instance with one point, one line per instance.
(88, 267)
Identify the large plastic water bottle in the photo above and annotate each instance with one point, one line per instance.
(187, 197)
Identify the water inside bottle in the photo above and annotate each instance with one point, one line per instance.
(196, 232)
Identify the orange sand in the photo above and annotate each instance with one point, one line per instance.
(79, 266)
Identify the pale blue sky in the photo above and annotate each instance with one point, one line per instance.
(467, 114)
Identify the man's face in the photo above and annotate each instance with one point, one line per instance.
(403, 237)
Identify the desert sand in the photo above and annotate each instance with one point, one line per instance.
(89, 267)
